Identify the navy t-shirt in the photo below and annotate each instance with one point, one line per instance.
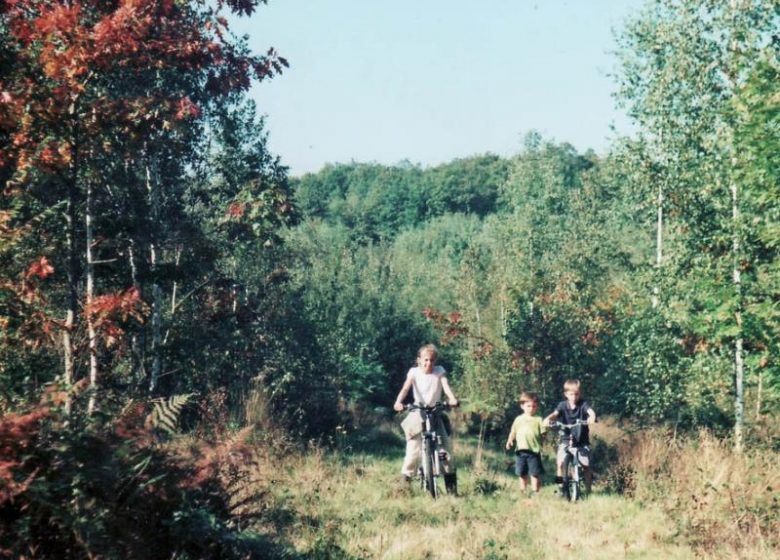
(567, 415)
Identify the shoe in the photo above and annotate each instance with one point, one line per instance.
(451, 483)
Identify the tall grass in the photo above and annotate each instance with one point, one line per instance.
(656, 496)
(349, 503)
(727, 504)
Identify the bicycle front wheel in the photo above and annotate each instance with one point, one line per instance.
(429, 480)
(575, 479)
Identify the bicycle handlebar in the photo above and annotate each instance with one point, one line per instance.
(563, 426)
(438, 406)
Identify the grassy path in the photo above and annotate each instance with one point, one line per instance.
(352, 505)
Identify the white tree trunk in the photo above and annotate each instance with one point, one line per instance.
(659, 241)
(90, 297)
(67, 347)
(175, 284)
(154, 200)
(739, 396)
(70, 316)
(138, 345)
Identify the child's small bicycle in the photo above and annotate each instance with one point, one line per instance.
(433, 456)
(573, 470)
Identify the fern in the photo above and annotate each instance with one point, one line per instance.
(165, 414)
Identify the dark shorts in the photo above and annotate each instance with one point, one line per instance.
(528, 462)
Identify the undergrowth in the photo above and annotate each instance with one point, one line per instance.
(76, 486)
(727, 504)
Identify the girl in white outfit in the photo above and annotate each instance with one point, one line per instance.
(427, 382)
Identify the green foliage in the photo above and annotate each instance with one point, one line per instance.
(540, 285)
(350, 301)
(469, 186)
(425, 261)
(27, 328)
(645, 377)
(486, 486)
(758, 145)
(377, 202)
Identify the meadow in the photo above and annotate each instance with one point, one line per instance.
(350, 503)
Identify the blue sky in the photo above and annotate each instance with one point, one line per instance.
(429, 81)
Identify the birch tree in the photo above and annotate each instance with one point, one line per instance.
(683, 63)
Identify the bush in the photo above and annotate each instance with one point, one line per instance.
(109, 488)
(728, 504)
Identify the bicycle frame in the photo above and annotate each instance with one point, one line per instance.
(572, 464)
(432, 454)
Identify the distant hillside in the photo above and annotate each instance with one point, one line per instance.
(378, 201)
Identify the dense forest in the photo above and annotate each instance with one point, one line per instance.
(163, 277)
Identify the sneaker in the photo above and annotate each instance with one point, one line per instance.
(451, 483)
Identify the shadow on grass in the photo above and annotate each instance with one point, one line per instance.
(324, 547)
(493, 467)
(496, 465)
(383, 441)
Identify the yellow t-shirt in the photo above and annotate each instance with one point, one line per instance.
(527, 432)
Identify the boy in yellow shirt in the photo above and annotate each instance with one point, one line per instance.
(526, 435)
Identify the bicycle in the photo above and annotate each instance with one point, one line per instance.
(433, 456)
(573, 469)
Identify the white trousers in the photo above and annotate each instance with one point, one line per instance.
(412, 458)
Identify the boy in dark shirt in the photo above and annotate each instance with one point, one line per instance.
(568, 412)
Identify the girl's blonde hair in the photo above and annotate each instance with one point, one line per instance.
(428, 349)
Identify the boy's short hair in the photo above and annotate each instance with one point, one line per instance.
(572, 385)
(428, 349)
(526, 397)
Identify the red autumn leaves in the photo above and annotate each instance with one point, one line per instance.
(86, 80)
(69, 61)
